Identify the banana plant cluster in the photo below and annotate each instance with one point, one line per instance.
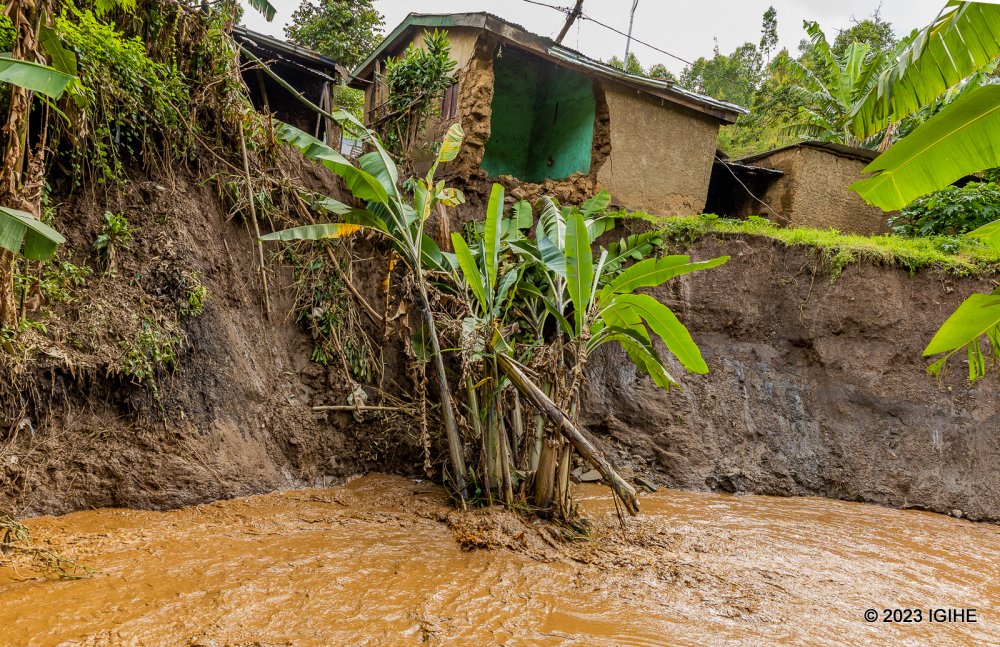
(521, 287)
(527, 286)
(944, 62)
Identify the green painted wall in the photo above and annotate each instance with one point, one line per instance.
(543, 120)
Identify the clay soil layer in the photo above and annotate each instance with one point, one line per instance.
(817, 387)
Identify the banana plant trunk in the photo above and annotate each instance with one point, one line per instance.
(545, 474)
(24, 15)
(540, 401)
(455, 446)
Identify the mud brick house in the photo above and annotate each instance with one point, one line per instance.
(806, 185)
(541, 118)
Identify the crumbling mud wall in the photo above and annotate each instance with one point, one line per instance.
(816, 388)
(660, 154)
(815, 192)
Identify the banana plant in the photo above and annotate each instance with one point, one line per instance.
(591, 300)
(959, 140)
(827, 95)
(977, 318)
(401, 222)
(491, 289)
(20, 229)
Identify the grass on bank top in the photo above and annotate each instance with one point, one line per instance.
(958, 255)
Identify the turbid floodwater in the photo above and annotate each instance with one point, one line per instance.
(384, 561)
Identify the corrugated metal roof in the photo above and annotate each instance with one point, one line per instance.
(301, 56)
(852, 152)
(546, 47)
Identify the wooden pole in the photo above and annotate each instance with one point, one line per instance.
(570, 19)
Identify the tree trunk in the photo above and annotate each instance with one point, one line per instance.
(23, 14)
(540, 401)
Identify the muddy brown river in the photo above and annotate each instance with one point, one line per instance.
(384, 561)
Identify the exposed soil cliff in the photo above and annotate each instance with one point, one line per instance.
(233, 412)
(816, 387)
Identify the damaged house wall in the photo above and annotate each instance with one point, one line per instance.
(814, 190)
(543, 120)
(542, 123)
(661, 154)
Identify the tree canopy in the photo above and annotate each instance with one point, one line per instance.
(345, 30)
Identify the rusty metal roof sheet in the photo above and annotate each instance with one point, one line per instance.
(549, 49)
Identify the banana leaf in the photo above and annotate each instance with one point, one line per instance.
(964, 38)
(264, 7)
(37, 78)
(961, 139)
(19, 229)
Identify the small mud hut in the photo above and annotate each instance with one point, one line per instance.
(544, 119)
(803, 185)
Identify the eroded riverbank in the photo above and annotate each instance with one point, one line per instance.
(380, 561)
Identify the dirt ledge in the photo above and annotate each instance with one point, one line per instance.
(817, 388)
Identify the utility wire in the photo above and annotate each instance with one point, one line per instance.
(746, 188)
(663, 51)
(583, 16)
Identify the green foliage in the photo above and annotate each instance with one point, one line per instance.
(57, 281)
(153, 348)
(977, 317)
(416, 81)
(809, 95)
(958, 255)
(828, 86)
(956, 142)
(632, 67)
(657, 71)
(874, 32)
(126, 103)
(345, 30)
(22, 233)
(962, 40)
(950, 211)
(195, 298)
(400, 220)
(35, 77)
(730, 77)
(769, 32)
(7, 33)
(116, 233)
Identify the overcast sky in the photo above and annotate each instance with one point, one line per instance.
(685, 28)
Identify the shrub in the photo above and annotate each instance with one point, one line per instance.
(126, 104)
(950, 211)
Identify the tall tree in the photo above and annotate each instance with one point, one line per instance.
(875, 32)
(632, 67)
(769, 32)
(733, 77)
(345, 30)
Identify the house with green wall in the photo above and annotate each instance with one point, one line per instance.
(541, 118)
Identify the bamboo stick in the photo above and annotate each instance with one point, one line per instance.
(351, 407)
(256, 225)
